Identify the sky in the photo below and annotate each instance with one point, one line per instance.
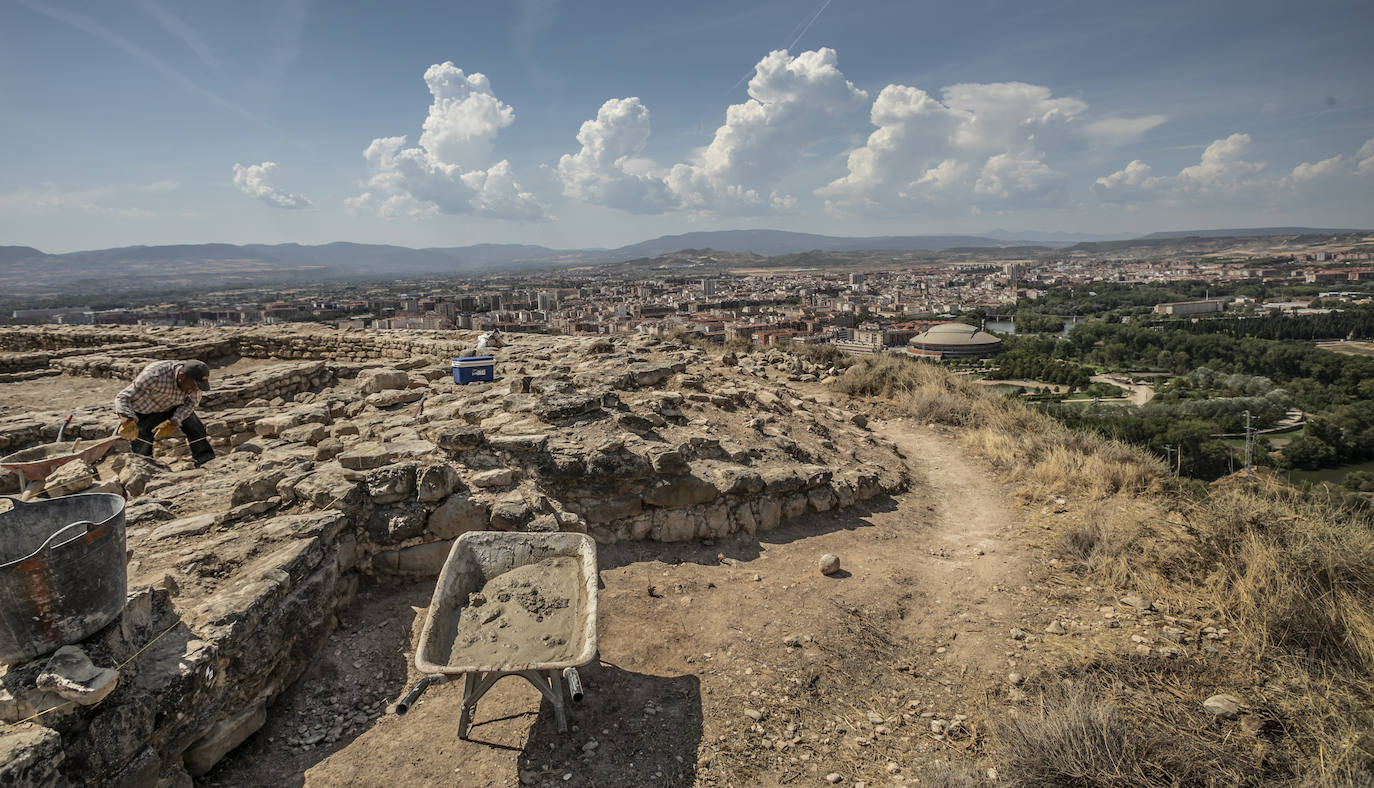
(581, 124)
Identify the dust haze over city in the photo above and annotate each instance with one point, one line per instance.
(834, 393)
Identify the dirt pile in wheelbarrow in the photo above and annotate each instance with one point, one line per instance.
(523, 616)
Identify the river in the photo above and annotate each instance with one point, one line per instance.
(1009, 327)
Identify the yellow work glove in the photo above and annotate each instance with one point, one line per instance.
(164, 430)
(129, 430)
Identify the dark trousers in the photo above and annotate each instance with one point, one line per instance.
(191, 428)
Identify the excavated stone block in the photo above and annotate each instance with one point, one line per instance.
(392, 525)
(457, 515)
(391, 483)
(680, 491)
(258, 487)
(457, 437)
(31, 755)
(435, 482)
(227, 734)
(393, 397)
(497, 477)
(375, 380)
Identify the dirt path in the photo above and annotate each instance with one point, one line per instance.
(736, 663)
(1137, 393)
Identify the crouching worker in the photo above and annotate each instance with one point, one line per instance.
(161, 399)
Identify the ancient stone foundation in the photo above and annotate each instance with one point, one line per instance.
(357, 459)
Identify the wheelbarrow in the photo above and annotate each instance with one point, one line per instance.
(35, 464)
(476, 558)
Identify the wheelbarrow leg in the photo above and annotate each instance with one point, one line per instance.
(469, 704)
(549, 686)
(30, 488)
(560, 705)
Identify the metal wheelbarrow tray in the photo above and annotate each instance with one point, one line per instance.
(35, 464)
(478, 557)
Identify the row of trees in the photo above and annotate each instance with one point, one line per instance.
(1219, 376)
(1357, 322)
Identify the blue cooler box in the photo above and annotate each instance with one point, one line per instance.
(475, 369)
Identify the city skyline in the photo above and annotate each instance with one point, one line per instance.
(143, 123)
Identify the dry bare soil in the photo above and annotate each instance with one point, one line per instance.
(736, 663)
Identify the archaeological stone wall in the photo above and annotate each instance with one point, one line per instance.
(370, 471)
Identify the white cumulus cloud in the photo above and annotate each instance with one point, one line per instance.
(1222, 169)
(447, 172)
(979, 141)
(609, 169)
(1322, 169)
(1222, 166)
(794, 104)
(1137, 173)
(1365, 158)
(255, 181)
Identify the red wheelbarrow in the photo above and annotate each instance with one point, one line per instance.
(33, 465)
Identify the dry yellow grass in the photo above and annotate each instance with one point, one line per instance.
(1032, 448)
(1290, 573)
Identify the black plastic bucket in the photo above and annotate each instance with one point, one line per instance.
(62, 572)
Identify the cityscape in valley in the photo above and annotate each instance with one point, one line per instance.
(541, 394)
(1047, 325)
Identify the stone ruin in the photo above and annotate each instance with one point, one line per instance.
(355, 460)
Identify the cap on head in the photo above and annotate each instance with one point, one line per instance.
(198, 372)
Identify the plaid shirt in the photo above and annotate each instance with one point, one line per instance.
(155, 390)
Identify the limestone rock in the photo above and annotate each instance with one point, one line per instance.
(667, 461)
(389, 526)
(328, 488)
(30, 755)
(497, 477)
(435, 482)
(1225, 706)
(393, 397)
(737, 480)
(71, 675)
(375, 380)
(186, 526)
(421, 560)
(781, 479)
(327, 449)
(257, 487)
(391, 483)
(520, 443)
(829, 564)
(366, 456)
(457, 515)
(455, 437)
(509, 514)
(137, 472)
(71, 478)
(680, 491)
(305, 433)
(226, 734)
(562, 407)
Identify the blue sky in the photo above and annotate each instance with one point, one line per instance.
(597, 124)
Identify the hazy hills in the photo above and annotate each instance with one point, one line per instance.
(27, 271)
(1246, 232)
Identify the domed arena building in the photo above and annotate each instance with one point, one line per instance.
(954, 341)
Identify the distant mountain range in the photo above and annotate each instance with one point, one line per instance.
(24, 269)
(1247, 232)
